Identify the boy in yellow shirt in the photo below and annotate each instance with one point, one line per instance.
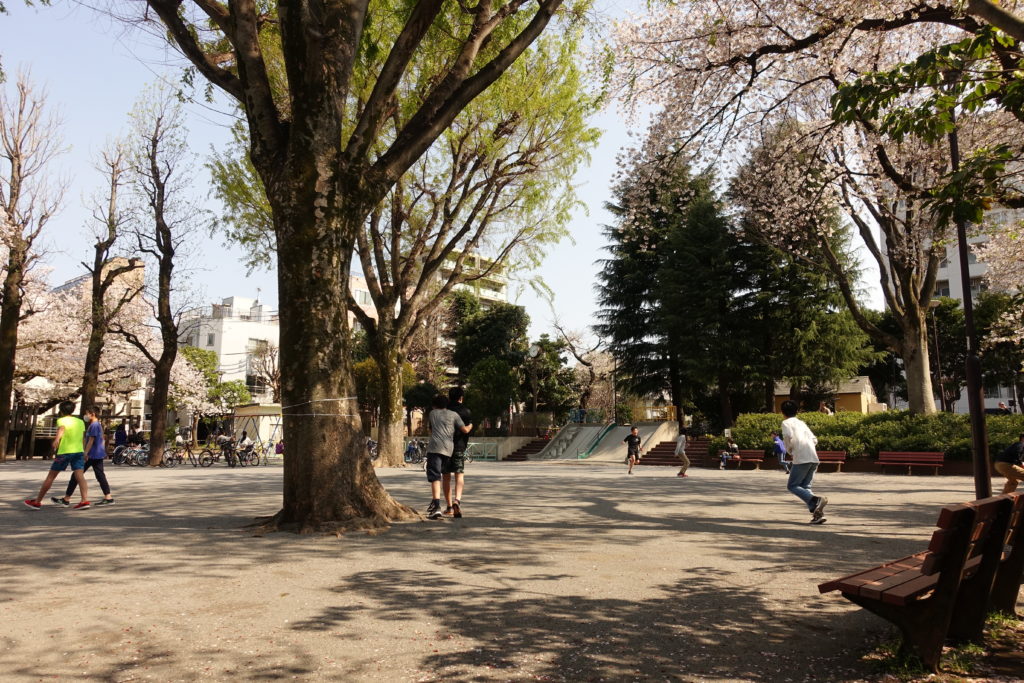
(69, 447)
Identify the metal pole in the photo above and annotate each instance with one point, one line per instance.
(975, 395)
(938, 360)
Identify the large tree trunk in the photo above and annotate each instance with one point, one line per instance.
(93, 353)
(676, 388)
(158, 424)
(390, 427)
(329, 482)
(914, 352)
(725, 403)
(10, 318)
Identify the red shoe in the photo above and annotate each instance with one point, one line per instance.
(33, 504)
(84, 505)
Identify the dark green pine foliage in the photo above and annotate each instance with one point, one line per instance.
(631, 321)
(700, 273)
(798, 324)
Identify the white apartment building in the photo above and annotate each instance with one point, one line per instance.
(238, 329)
(948, 282)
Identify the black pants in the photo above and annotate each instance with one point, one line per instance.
(97, 469)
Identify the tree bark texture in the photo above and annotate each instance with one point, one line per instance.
(390, 427)
(328, 478)
(914, 352)
(10, 318)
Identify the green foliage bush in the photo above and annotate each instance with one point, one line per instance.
(896, 430)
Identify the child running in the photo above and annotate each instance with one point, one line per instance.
(632, 442)
(69, 448)
(95, 454)
(800, 442)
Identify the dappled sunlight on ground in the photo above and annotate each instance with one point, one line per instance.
(558, 571)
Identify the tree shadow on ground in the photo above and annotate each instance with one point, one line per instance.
(695, 630)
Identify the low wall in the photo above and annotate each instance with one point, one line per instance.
(506, 445)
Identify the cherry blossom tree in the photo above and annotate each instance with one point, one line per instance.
(29, 196)
(1003, 253)
(739, 75)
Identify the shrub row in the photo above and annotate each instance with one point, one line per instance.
(896, 430)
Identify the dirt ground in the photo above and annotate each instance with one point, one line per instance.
(565, 572)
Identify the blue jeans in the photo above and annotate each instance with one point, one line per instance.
(800, 478)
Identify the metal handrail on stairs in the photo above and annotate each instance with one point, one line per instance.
(593, 444)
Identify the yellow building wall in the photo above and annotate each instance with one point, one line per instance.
(850, 403)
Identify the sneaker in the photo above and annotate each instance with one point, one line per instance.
(32, 504)
(434, 510)
(818, 520)
(456, 508)
(448, 511)
(60, 501)
(105, 501)
(819, 507)
(84, 505)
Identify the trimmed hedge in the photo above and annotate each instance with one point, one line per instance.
(895, 430)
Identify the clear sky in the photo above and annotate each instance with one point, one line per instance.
(94, 70)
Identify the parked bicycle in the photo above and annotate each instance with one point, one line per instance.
(416, 453)
(185, 452)
(371, 449)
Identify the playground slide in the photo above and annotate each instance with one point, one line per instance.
(611, 448)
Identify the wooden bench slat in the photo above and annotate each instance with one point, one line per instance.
(855, 580)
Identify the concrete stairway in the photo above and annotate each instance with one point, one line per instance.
(663, 454)
(531, 448)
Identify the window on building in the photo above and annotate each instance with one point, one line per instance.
(942, 288)
(362, 297)
(209, 339)
(257, 347)
(944, 263)
(977, 286)
(972, 257)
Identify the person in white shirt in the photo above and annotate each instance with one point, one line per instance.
(800, 443)
(681, 454)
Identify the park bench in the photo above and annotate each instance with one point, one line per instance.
(837, 458)
(943, 590)
(911, 460)
(1011, 565)
(754, 456)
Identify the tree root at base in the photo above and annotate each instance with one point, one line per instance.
(372, 525)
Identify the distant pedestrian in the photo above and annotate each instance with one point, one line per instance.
(443, 425)
(780, 450)
(457, 463)
(731, 450)
(95, 453)
(800, 442)
(69, 447)
(823, 408)
(1009, 464)
(681, 453)
(121, 435)
(1004, 410)
(632, 442)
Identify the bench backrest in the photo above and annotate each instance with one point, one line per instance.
(991, 516)
(832, 456)
(1015, 528)
(923, 458)
(950, 540)
(750, 454)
